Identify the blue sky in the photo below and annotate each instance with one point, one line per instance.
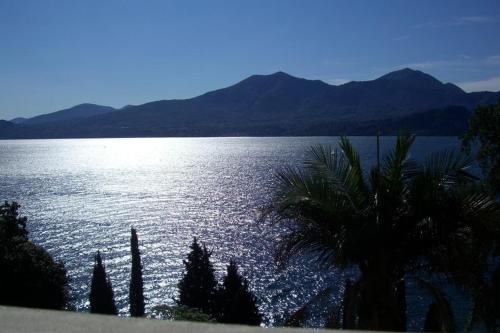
(55, 54)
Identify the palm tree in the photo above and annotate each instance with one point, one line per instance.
(403, 220)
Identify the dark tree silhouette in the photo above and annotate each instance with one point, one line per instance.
(237, 304)
(29, 276)
(101, 297)
(484, 128)
(136, 295)
(13, 226)
(492, 319)
(488, 310)
(401, 221)
(197, 287)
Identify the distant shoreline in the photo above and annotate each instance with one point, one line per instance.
(221, 136)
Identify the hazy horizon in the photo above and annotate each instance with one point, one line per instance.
(56, 54)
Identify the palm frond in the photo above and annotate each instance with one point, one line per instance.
(325, 247)
(354, 162)
(334, 167)
(398, 166)
(323, 203)
(449, 167)
(298, 318)
(320, 156)
(443, 305)
(481, 206)
(299, 191)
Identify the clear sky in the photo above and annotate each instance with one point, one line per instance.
(55, 54)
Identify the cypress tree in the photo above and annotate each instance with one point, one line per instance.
(237, 304)
(136, 296)
(101, 297)
(197, 286)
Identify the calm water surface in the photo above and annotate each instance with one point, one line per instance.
(84, 195)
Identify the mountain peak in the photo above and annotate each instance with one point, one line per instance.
(281, 74)
(407, 74)
(274, 76)
(86, 105)
(80, 111)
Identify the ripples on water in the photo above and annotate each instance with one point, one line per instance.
(84, 195)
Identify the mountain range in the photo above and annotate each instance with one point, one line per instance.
(274, 105)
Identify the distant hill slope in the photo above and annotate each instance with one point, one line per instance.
(80, 111)
(280, 104)
(18, 120)
(4, 124)
(9, 130)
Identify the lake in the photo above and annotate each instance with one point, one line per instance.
(81, 196)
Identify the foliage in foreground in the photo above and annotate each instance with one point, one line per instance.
(427, 222)
(236, 303)
(197, 288)
(182, 313)
(484, 127)
(29, 275)
(102, 299)
(136, 293)
(232, 302)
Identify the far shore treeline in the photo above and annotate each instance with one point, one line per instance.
(433, 225)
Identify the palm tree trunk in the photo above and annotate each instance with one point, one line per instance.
(401, 299)
(349, 306)
(379, 305)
